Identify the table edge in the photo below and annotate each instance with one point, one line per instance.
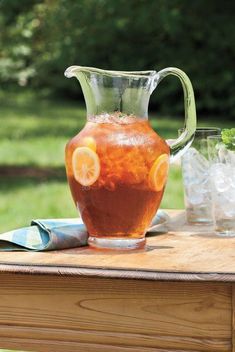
(115, 273)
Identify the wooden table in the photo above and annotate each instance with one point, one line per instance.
(178, 295)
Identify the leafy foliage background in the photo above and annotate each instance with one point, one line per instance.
(39, 39)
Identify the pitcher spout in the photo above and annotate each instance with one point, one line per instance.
(71, 71)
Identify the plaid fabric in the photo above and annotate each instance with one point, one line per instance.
(54, 234)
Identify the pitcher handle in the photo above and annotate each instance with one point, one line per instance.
(180, 145)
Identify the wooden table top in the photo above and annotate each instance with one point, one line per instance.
(176, 251)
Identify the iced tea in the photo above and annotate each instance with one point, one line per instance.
(117, 168)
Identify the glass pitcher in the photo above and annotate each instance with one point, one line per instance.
(117, 165)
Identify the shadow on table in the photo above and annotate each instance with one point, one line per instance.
(178, 223)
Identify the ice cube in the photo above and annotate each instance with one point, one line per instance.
(196, 177)
(200, 162)
(189, 154)
(197, 160)
(194, 196)
(233, 176)
(195, 166)
(216, 169)
(222, 183)
(220, 177)
(205, 186)
(228, 208)
(208, 196)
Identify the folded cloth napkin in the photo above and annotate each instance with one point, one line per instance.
(54, 234)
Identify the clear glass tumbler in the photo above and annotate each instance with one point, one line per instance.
(222, 176)
(195, 170)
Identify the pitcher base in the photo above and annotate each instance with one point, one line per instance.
(117, 243)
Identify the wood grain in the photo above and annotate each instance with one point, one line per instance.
(49, 346)
(48, 313)
(233, 318)
(175, 252)
(116, 273)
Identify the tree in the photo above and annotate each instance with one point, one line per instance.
(41, 38)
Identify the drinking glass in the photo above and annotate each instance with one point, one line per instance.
(222, 176)
(195, 170)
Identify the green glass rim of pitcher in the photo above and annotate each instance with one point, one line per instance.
(138, 74)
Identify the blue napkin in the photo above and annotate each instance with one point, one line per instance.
(54, 234)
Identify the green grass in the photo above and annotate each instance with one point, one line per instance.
(34, 133)
(24, 200)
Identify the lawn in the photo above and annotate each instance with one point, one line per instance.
(32, 138)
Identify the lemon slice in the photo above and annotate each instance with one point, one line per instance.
(89, 142)
(86, 166)
(158, 173)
